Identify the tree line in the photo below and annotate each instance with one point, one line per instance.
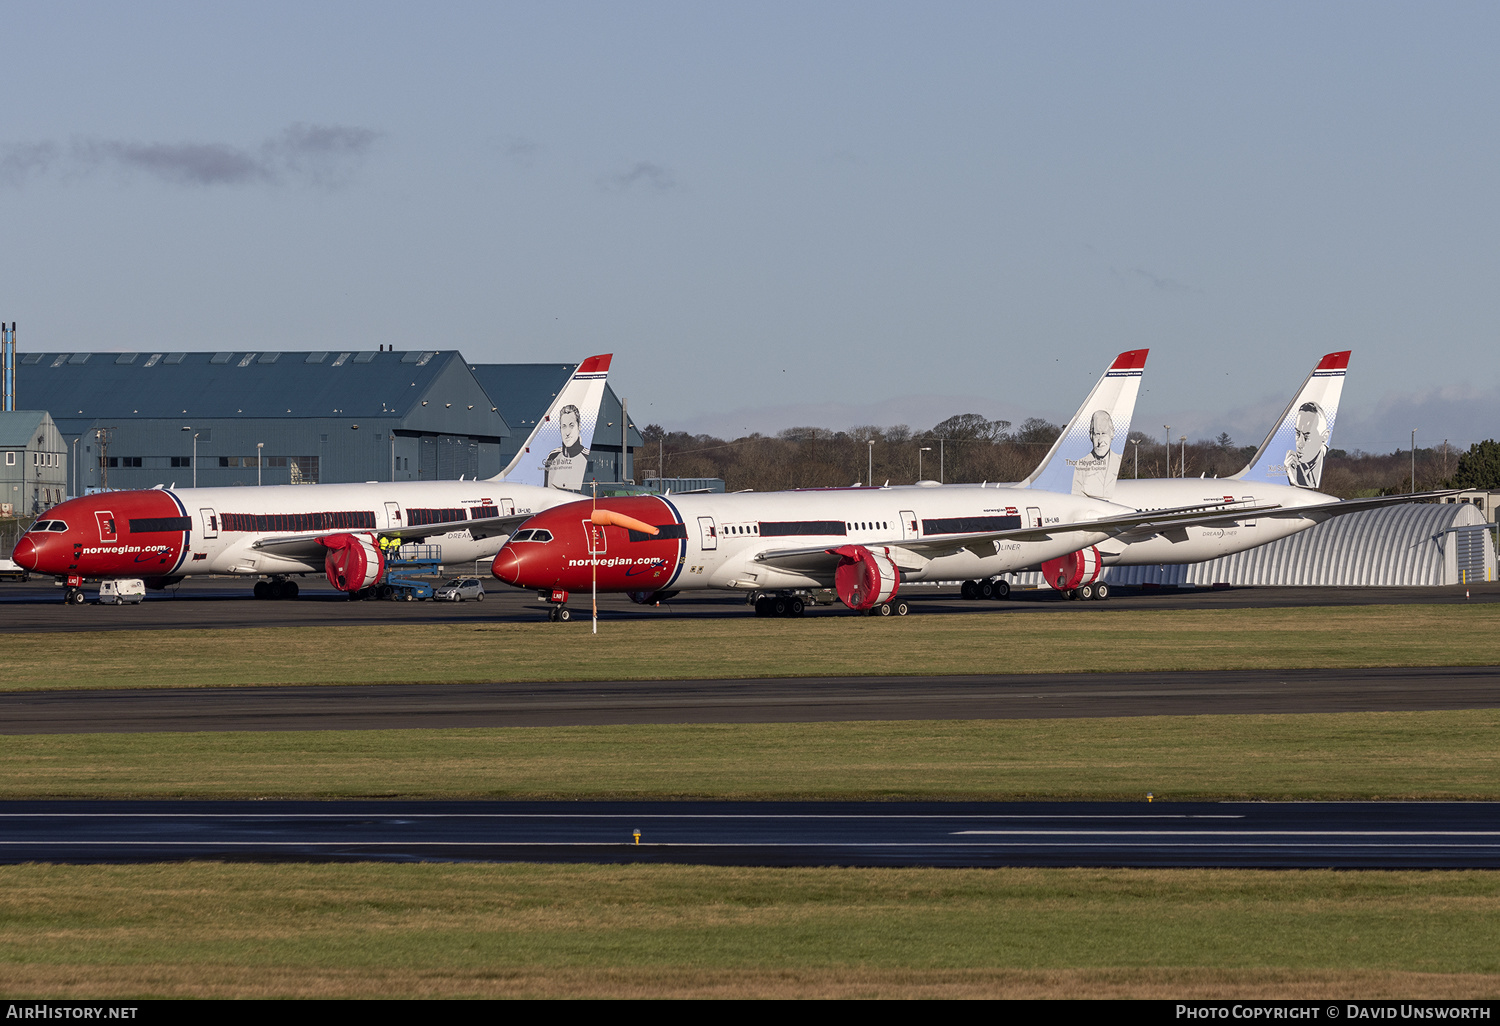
(969, 448)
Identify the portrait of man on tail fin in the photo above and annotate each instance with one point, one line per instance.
(1304, 464)
(1095, 473)
(565, 465)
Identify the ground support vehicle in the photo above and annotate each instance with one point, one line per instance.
(122, 591)
(402, 581)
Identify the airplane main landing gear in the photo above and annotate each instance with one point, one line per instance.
(276, 588)
(779, 605)
(990, 589)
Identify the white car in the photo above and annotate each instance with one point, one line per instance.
(9, 571)
(460, 588)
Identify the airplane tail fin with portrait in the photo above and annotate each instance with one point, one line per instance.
(546, 458)
(1287, 458)
(1104, 418)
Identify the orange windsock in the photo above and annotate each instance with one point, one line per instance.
(609, 518)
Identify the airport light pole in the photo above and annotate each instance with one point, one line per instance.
(75, 467)
(870, 464)
(925, 448)
(189, 427)
(1182, 464)
(1137, 443)
(941, 478)
(393, 457)
(260, 461)
(1169, 448)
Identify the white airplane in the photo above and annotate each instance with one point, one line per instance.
(165, 534)
(1284, 473)
(780, 548)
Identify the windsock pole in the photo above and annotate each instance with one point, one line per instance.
(594, 555)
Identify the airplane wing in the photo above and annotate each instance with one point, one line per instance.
(1329, 510)
(1320, 512)
(306, 546)
(913, 553)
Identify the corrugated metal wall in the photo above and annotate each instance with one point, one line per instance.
(1410, 544)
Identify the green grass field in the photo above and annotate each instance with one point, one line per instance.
(1076, 641)
(1411, 755)
(622, 931)
(203, 929)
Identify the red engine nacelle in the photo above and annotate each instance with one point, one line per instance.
(1067, 572)
(864, 579)
(354, 561)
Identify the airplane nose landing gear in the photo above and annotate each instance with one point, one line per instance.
(557, 598)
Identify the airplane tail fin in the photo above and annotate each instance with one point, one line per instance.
(1293, 452)
(1085, 459)
(556, 455)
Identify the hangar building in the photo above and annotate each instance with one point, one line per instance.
(33, 463)
(134, 420)
(1426, 543)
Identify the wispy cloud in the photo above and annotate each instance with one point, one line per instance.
(22, 161)
(1163, 284)
(643, 175)
(521, 151)
(321, 156)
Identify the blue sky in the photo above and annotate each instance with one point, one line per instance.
(783, 214)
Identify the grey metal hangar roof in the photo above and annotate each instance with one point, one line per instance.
(424, 390)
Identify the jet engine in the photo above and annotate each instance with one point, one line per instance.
(864, 579)
(1076, 568)
(354, 561)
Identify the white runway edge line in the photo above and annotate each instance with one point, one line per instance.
(572, 815)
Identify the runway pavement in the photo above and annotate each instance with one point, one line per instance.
(770, 700)
(1326, 835)
(226, 603)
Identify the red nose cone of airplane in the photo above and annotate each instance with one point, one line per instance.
(25, 554)
(507, 566)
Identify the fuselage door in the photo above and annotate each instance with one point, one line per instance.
(108, 532)
(393, 515)
(1033, 516)
(210, 521)
(709, 534)
(598, 540)
(507, 507)
(909, 527)
(1249, 500)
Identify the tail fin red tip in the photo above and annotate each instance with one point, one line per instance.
(595, 364)
(1335, 361)
(1135, 359)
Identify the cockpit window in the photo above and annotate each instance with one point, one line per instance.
(541, 536)
(522, 536)
(49, 525)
